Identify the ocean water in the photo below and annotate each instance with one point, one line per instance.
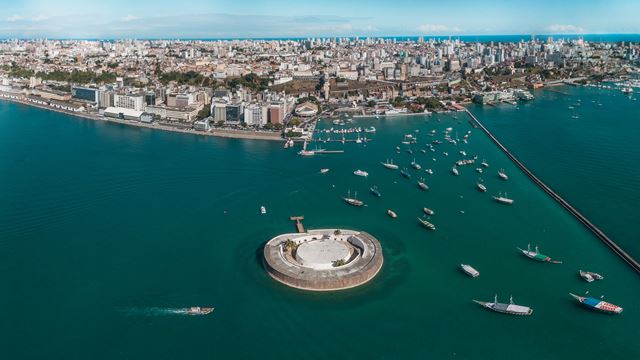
(107, 232)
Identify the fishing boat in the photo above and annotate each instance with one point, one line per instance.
(503, 199)
(427, 224)
(422, 185)
(390, 165)
(590, 276)
(455, 171)
(324, 171)
(415, 165)
(485, 163)
(429, 171)
(503, 175)
(404, 172)
(374, 190)
(510, 308)
(197, 310)
(353, 200)
(361, 173)
(470, 270)
(392, 214)
(263, 210)
(428, 211)
(536, 255)
(598, 304)
(481, 186)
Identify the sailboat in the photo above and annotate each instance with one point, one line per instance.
(503, 175)
(510, 308)
(415, 165)
(503, 199)
(353, 201)
(481, 186)
(537, 256)
(389, 164)
(422, 185)
(427, 224)
(374, 190)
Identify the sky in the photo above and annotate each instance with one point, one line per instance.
(320, 18)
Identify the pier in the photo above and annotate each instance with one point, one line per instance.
(299, 226)
(594, 229)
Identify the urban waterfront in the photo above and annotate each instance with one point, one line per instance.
(105, 228)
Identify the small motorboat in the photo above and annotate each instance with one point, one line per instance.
(422, 185)
(405, 173)
(429, 171)
(324, 171)
(197, 310)
(263, 210)
(392, 214)
(590, 276)
(454, 171)
(598, 304)
(428, 211)
(361, 173)
(470, 270)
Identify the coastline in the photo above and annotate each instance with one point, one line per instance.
(222, 133)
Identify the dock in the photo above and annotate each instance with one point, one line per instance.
(299, 226)
(573, 211)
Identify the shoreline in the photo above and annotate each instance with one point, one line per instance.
(565, 204)
(221, 133)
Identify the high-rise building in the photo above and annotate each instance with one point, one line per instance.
(132, 101)
(85, 94)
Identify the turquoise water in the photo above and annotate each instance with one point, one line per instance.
(590, 160)
(105, 230)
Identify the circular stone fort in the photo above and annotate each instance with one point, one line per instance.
(323, 260)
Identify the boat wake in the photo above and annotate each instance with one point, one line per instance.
(157, 311)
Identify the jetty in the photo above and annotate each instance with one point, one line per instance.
(594, 229)
(299, 226)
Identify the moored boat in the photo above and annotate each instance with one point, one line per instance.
(324, 171)
(392, 214)
(470, 270)
(454, 171)
(389, 164)
(353, 201)
(361, 173)
(429, 171)
(422, 185)
(428, 211)
(503, 199)
(415, 165)
(598, 304)
(502, 175)
(404, 172)
(263, 210)
(485, 163)
(374, 190)
(510, 308)
(481, 186)
(536, 255)
(427, 224)
(590, 276)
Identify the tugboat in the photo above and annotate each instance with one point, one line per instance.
(470, 270)
(361, 173)
(404, 172)
(481, 186)
(196, 310)
(503, 199)
(374, 190)
(428, 211)
(598, 304)
(536, 255)
(390, 165)
(510, 308)
(590, 276)
(427, 224)
(353, 201)
(415, 165)
(392, 214)
(422, 185)
(503, 175)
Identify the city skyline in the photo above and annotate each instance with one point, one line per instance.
(257, 19)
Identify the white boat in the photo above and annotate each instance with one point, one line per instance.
(324, 171)
(353, 200)
(422, 185)
(485, 163)
(263, 210)
(429, 171)
(590, 276)
(389, 164)
(503, 199)
(470, 270)
(509, 308)
(481, 186)
(370, 130)
(415, 165)
(392, 214)
(428, 211)
(455, 171)
(361, 173)
(479, 170)
(197, 310)
(503, 175)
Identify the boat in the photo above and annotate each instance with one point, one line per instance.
(392, 214)
(263, 210)
(353, 200)
(371, 129)
(503, 199)
(427, 224)
(627, 90)
(510, 308)
(470, 270)
(361, 173)
(390, 165)
(423, 151)
(428, 211)
(404, 172)
(455, 171)
(197, 310)
(536, 255)
(324, 171)
(502, 174)
(374, 190)
(590, 276)
(481, 186)
(485, 163)
(479, 170)
(410, 151)
(415, 165)
(429, 171)
(422, 185)
(598, 304)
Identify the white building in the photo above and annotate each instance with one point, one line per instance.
(134, 102)
(255, 115)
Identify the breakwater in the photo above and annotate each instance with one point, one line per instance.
(593, 228)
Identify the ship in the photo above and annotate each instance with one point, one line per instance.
(415, 165)
(590, 276)
(536, 255)
(422, 185)
(469, 270)
(390, 165)
(392, 214)
(404, 172)
(374, 190)
(480, 185)
(598, 304)
(503, 175)
(428, 211)
(427, 224)
(197, 310)
(353, 200)
(503, 199)
(510, 308)
(361, 173)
